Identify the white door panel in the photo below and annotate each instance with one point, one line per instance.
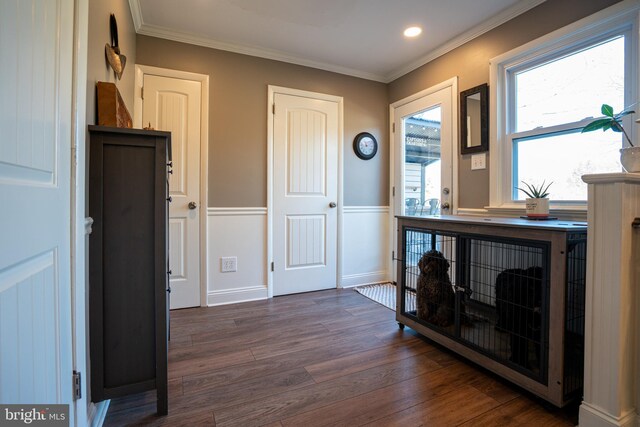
(305, 185)
(423, 156)
(35, 184)
(174, 105)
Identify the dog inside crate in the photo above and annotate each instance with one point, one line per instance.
(499, 293)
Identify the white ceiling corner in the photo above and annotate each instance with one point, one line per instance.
(316, 30)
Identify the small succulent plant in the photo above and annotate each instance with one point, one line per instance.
(536, 192)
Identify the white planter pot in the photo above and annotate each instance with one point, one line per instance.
(630, 159)
(537, 208)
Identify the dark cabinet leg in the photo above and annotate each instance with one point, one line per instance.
(401, 326)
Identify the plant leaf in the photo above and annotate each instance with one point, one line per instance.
(596, 124)
(607, 110)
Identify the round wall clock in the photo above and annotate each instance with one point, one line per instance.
(365, 145)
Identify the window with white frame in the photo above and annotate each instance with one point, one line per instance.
(544, 94)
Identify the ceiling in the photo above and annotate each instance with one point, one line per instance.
(362, 38)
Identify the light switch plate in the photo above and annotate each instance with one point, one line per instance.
(478, 161)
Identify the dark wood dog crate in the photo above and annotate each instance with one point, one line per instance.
(508, 294)
(128, 259)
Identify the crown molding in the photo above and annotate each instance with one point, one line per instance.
(183, 37)
(165, 33)
(499, 19)
(136, 13)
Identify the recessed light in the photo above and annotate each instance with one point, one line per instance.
(412, 31)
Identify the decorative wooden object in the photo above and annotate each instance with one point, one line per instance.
(128, 262)
(111, 108)
(612, 345)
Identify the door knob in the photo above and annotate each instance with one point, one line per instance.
(445, 190)
(446, 205)
(332, 205)
(192, 205)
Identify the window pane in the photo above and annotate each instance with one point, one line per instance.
(422, 162)
(572, 88)
(564, 158)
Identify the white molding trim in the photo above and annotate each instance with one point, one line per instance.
(232, 296)
(366, 209)
(136, 14)
(184, 37)
(140, 71)
(256, 51)
(98, 413)
(475, 32)
(352, 280)
(592, 416)
(215, 211)
(271, 92)
(473, 211)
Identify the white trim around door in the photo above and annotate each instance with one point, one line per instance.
(272, 91)
(140, 71)
(453, 84)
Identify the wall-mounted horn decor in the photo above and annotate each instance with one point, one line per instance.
(112, 51)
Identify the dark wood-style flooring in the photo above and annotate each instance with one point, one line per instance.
(330, 358)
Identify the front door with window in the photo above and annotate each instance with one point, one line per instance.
(423, 151)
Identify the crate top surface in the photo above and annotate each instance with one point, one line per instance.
(557, 225)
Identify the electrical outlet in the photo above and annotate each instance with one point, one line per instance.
(228, 264)
(478, 161)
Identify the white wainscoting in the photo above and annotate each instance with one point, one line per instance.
(241, 233)
(366, 252)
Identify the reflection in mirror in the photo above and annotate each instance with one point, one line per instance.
(474, 120)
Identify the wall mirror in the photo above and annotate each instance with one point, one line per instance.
(474, 119)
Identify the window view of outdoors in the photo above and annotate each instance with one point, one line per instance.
(422, 163)
(564, 91)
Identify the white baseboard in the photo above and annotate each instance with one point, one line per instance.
(232, 296)
(351, 280)
(591, 416)
(98, 413)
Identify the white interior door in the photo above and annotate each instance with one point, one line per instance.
(172, 104)
(35, 186)
(305, 194)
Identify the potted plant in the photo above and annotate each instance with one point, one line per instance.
(629, 156)
(537, 202)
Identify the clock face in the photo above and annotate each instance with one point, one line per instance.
(365, 146)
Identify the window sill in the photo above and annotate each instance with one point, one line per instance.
(514, 210)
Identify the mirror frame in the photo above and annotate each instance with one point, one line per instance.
(483, 90)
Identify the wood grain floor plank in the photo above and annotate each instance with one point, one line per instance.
(522, 411)
(285, 405)
(366, 370)
(368, 407)
(204, 363)
(450, 409)
(335, 368)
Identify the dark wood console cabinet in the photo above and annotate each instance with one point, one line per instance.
(128, 259)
